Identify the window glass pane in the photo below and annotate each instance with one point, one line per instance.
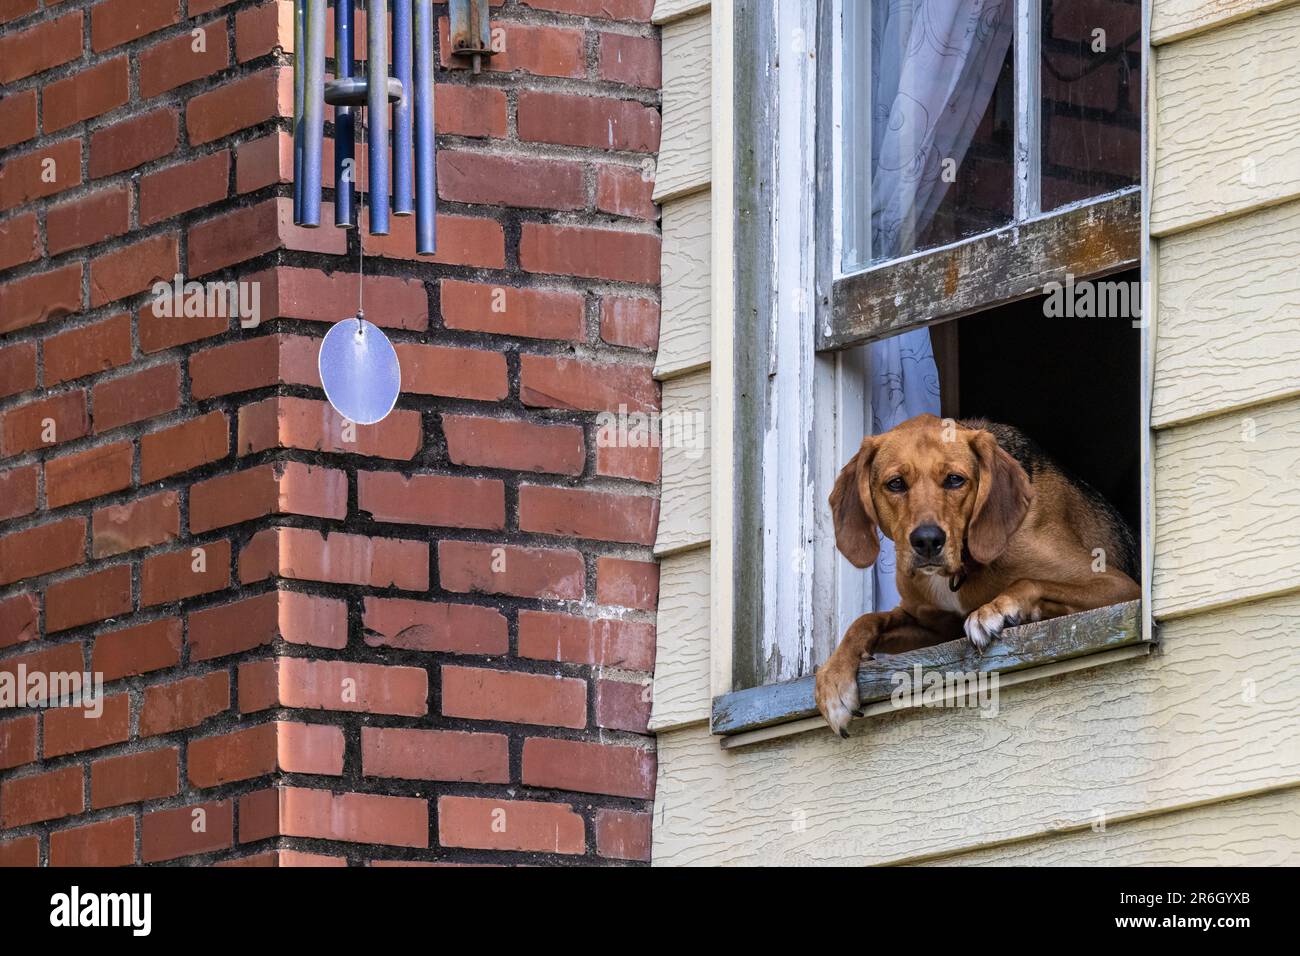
(929, 124)
(1091, 85)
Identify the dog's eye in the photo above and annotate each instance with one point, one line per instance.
(896, 485)
(954, 481)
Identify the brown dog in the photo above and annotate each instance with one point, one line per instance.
(989, 533)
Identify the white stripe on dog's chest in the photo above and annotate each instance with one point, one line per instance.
(940, 595)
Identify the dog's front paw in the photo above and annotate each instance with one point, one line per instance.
(984, 624)
(837, 693)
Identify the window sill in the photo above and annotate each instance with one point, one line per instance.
(1029, 652)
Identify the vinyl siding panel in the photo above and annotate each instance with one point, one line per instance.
(681, 684)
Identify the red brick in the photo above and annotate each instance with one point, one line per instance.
(184, 703)
(85, 94)
(93, 597)
(262, 29)
(481, 568)
(40, 297)
(303, 423)
(638, 464)
(106, 843)
(250, 363)
(516, 445)
(42, 549)
(354, 817)
(540, 50)
(131, 398)
(89, 349)
(629, 59)
(259, 685)
(88, 474)
(159, 332)
(353, 687)
(308, 294)
(524, 181)
(310, 748)
(580, 119)
(177, 189)
(626, 191)
(141, 523)
(621, 705)
(307, 555)
(579, 513)
(44, 796)
(551, 382)
(40, 173)
(478, 693)
(506, 310)
(139, 649)
(235, 627)
(114, 22)
(171, 576)
(638, 10)
(240, 234)
(470, 110)
(239, 104)
(589, 767)
(18, 491)
(18, 741)
(172, 63)
(451, 372)
(23, 427)
(621, 835)
(625, 583)
(462, 241)
(184, 831)
(17, 370)
(241, 755)
(179, 448)
(133, 269)
(133, 142)
(593, 253)
(18, 118)
(272, 488)
(72, 729)
(40, 47)
(579, 640)
(51, 661)
(425, 626)
(135, 778)
(490, 823)
(25, 851)
(441, 500)
(18, 619)
(20, 242)
(411, 754)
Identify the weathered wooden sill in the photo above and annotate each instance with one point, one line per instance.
(1029, 651)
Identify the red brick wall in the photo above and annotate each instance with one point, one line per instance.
(428, 641)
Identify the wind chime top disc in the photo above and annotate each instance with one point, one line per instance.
(359, 370)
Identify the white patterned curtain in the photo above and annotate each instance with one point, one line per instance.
(934, 64)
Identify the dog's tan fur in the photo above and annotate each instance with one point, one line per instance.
(1022, 542)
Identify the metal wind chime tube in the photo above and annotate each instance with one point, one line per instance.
(426, 199)
(344, 123)
(401, 172)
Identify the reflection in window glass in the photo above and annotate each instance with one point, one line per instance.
(1091, 85)
(929, 124)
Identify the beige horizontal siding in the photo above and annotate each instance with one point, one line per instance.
(684, 494)
(1127, 739)
(681, 685)
(684, 327)
(666, 10)
(1262, 830)
(1228, 329)
(1227, 121)
(1227, 509)
(684, 150)
(1176, 19)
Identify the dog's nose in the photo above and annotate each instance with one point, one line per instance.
(927, 540)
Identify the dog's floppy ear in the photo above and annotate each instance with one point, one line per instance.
(1002, 499)
(855, 519)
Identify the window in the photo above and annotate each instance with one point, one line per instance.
(936, 169)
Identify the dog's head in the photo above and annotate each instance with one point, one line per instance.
(932, 487)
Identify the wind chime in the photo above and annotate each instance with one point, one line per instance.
(358, 365)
